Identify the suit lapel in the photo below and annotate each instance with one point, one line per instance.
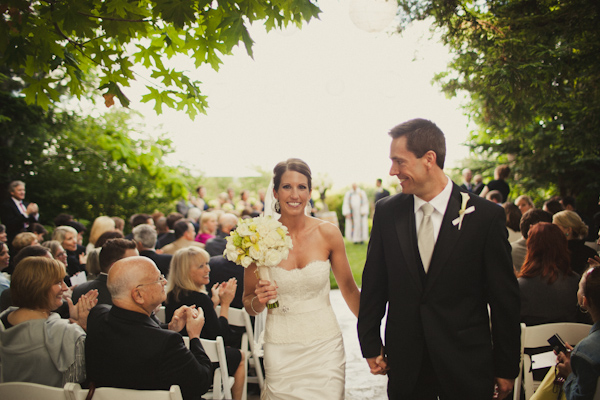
(447, 238)
(406, 231)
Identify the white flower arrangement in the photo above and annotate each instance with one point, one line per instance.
(263, 241)
(463, 210)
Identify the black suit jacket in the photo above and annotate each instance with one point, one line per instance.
(221, 270)
(99, 283)
(12, 218)
(216, 246)
(446, 310)
(162, 261)
(381, 195)
(126, 349)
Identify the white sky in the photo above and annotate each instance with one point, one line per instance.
(327, 94)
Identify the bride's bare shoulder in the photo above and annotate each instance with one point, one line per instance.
(326, 228)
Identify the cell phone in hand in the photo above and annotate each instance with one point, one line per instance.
(557, 344)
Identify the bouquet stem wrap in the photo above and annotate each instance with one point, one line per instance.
(264, 273)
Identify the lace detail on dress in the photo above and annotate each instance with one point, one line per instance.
(304, 314)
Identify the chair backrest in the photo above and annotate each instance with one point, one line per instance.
(538, 335)
(109, 393)
(160, 314)
(519, 379)
(240, 318)
(33, 391)
(215, 350)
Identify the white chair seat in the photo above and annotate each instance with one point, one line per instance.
(31, 391)
(109, 393)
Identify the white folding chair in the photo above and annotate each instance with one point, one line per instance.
(75, 392)
(537, 336)
(239, 317)
(519, 379)
(160, 314)
(222, 382)
(33, 391)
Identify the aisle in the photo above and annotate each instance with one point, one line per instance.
(360, 384)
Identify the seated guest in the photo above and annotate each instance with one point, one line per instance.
(4, 259)
(184, 237)
(139, 219)
(222, 270)
(101, 224)
(3, 234)
(519, 247)
(216, 245)
(576, 231)
(38, 230)
(92, 265)
(547, 284)
(36, 345)
(29, 251)
(57, 251)
(494, 196)
(193, 215)
(208, 227)
(513, 221)
(552, 206)
(111, 252)
(125, 348)
(188, 278)
(23, 240)
(67, 236)
(524, 203)
(119, 224)
(145, 238)
(581, 366)
(80, 228)
(169, 236)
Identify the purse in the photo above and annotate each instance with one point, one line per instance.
(551, 387)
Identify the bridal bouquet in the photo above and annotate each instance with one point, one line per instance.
(263, 241)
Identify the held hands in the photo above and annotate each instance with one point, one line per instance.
(378, 365)
(79, 312)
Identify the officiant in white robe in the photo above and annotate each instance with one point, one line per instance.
(356, 210)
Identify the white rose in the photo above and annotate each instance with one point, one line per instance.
(254, 252)
(272, 258)
(246, 261)
(243, 230)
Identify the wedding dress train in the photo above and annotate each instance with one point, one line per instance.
(303, 350)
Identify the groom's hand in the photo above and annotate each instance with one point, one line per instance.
(378, 365)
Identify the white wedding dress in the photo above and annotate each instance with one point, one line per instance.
(303, 348)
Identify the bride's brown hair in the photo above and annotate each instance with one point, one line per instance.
(291, 164)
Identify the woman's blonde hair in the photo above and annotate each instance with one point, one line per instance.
(570, 219)
(101, 225)
(179, 272)
(205, 217)
(31, 282)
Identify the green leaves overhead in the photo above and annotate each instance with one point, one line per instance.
(64, 44)
(532, 69)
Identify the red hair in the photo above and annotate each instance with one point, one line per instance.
(547, 253)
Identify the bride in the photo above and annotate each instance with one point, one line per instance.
(303, 350)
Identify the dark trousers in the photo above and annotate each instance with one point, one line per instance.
(427, 386)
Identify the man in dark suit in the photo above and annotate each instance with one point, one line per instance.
(380, 192)
(221, 270)
(112, 251)
(216, 246)
(15, 214)
(438, 257)
(145, 239)
(126, 348)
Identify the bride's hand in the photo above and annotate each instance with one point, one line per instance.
(265, 291)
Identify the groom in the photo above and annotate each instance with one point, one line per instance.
(437, 273)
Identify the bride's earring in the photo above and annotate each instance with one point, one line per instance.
(277, 206)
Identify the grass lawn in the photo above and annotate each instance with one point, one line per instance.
(357, 254)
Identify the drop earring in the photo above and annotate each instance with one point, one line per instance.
(277, 206)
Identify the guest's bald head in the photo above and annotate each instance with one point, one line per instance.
(135, 284)
(228, 221)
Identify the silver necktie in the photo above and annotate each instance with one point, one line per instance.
(425, 236)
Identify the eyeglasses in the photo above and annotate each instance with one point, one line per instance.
(161, 279)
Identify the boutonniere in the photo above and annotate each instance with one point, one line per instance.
(463, 210)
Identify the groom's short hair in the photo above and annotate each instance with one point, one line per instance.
(421, 136)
